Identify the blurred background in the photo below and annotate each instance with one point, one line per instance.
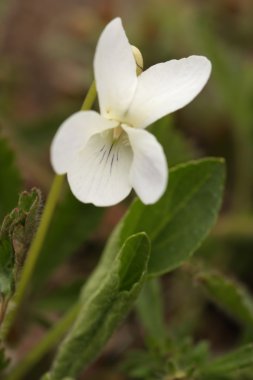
(46, 67)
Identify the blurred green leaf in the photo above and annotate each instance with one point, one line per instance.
(180, 360)
(36, 135)
(233, 79)
(102, 311)
(3, 360)
(229, 366)
(71, 225)
(59, 299)
(10, 180)
(144, 365)
(150, 310)
(229, 295)
(176, 146)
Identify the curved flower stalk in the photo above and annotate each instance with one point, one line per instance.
(106, 155)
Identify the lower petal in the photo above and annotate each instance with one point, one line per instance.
(149, 171)
(72, 135)
(99, 173)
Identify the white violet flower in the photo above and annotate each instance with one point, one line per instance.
(106, 155)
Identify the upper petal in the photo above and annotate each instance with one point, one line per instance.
(115, 70)
(99, 174)
(149, 171)
(166, 87)
(72, 135)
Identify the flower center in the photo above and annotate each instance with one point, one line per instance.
(117, 132)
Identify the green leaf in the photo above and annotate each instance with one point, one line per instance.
(229, 364)
(72, 220)
(150, 310)
(16, 233)
(181, 220)
(229, 295)
(103, 311)
(177, 361)
(9, 179)
(177, 224)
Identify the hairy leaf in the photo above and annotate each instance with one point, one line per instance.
(102, 311)
(229, 295)
(16, 233)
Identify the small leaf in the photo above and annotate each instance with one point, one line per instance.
(16, 234)
(102, 311)
(229, 295)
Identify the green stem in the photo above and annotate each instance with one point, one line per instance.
(45, 345)
(33, 254)
(34, 251)
(90, 97)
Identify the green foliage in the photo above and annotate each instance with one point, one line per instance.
(180, 360)
(6, 268)
(220, 120)
(3, 360)
(60, 299)
(175, 145)
(9, 179)
(72, 223)
(144, 365)
(102, 311)
(16, 234)
(229, 295)
(229, 366)
(187, 360)
(177, 224)
(150, 310)
(35, 135)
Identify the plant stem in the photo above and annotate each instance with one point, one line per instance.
(34, 251)
(90, 97)
(33, 254)
(45, 345)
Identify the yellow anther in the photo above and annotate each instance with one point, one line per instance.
(138, 59)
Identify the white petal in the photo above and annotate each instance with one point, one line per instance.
(100, 172)
(115, 71)
(72, 135)
(166, 87)
(149, 171)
